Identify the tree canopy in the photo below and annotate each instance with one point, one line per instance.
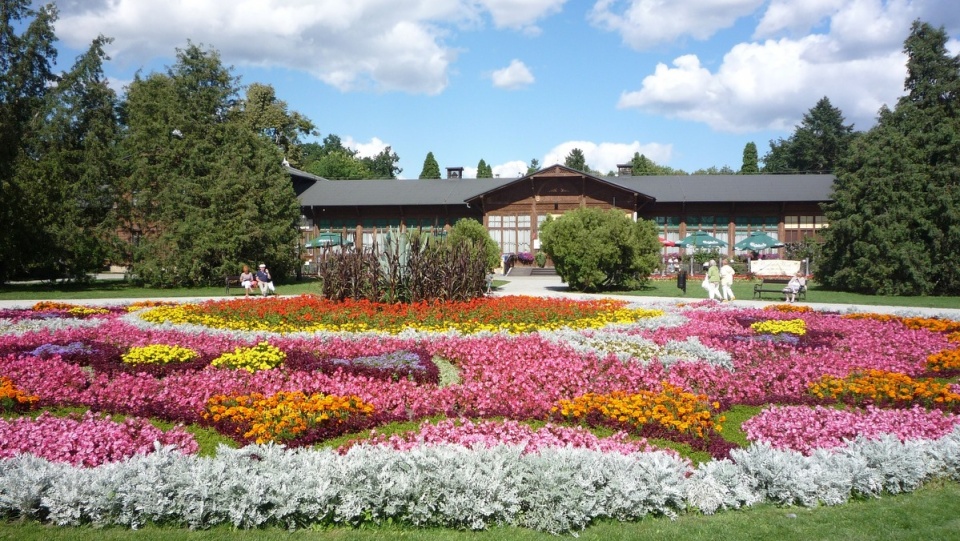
(895, 215)
(817, 145)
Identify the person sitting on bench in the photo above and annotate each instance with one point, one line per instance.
(797, 282)
(265, 281)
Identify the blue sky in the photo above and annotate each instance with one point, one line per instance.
(688, 83)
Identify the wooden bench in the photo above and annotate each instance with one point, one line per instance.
(776, 285)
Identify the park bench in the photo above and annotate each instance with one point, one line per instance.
(231, 281)
(776, 285)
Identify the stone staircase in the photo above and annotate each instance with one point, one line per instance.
(522, 270)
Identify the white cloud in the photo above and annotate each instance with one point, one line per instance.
(397, 45)
(521, 14)
(512, 169)
(365, 150)
(858, 65)
(604, 157)
(514, 76)
(645, 23)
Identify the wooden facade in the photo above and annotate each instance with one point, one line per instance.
(728, 207)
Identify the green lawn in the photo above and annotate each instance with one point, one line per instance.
(743, 289)
(119, 289)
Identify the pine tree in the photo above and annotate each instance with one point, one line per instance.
(484, 170)
(431, 169)
(817, 145)
(533, 167)
(750, 166)
(895, 215)
(576, 160)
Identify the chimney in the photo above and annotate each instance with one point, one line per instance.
(454, 172)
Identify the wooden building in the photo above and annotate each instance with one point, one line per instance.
(729, 207)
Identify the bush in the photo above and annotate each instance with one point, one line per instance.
(594, 249)
(468, 229)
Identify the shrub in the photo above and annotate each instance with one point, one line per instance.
(594, 249)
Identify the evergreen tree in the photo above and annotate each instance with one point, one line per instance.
(533, 167)
(817, 145)
(431, 169)
(26, 75)
(896, 207)
(750, 166)
(206, 192)
(484, 170)
(576, 160)
(73, 172)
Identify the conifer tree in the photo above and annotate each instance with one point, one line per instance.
(895, 215)
(431, 169)
(750, 165)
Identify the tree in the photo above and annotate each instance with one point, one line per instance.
(640, 165)
(383, 165)
(205, 192)
(895, 215)
(576, 160)
(713, 170)
(533, 167)
(73, 172)
(471, 231)
(431, 169)
(26, 76)
(597, 249)
(484, 170)
(817, 145)
(749, 166)
(263, 113)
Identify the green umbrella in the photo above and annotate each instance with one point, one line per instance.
(326, 239)
(700, 239)
(758, 240)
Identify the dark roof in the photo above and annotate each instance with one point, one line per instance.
(664, 189)
(722, 188)
(393, 192)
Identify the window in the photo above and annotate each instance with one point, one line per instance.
(511, 232)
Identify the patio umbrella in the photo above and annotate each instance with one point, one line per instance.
(700, 239)
(758, 240)
(324, 240)
(664, 242)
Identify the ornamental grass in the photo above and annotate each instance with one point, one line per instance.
(285, 416)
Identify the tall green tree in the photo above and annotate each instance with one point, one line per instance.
(576, 160)
(263, 113)
(27, 55)
(72, 171)
(895, 215)
(596, 249)
(431, 169)
(533, 167)
(817, 145)
(484, 170)
(641, 165)
(205, 192)
(384, 164)
(750, 159)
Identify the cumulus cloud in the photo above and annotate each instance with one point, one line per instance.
(514, 76)
(521, 14)
(358, 45)
(769, 84)
(512, 169)
(365, 150)
(645, 23)
(604, 157)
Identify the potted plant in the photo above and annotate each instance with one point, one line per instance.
(540, 259)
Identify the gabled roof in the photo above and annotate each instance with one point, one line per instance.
(664, 189)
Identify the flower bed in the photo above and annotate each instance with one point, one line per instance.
(301, 371)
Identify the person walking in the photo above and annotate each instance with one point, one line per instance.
(713, 279)
(265, 280)
(726, 281)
